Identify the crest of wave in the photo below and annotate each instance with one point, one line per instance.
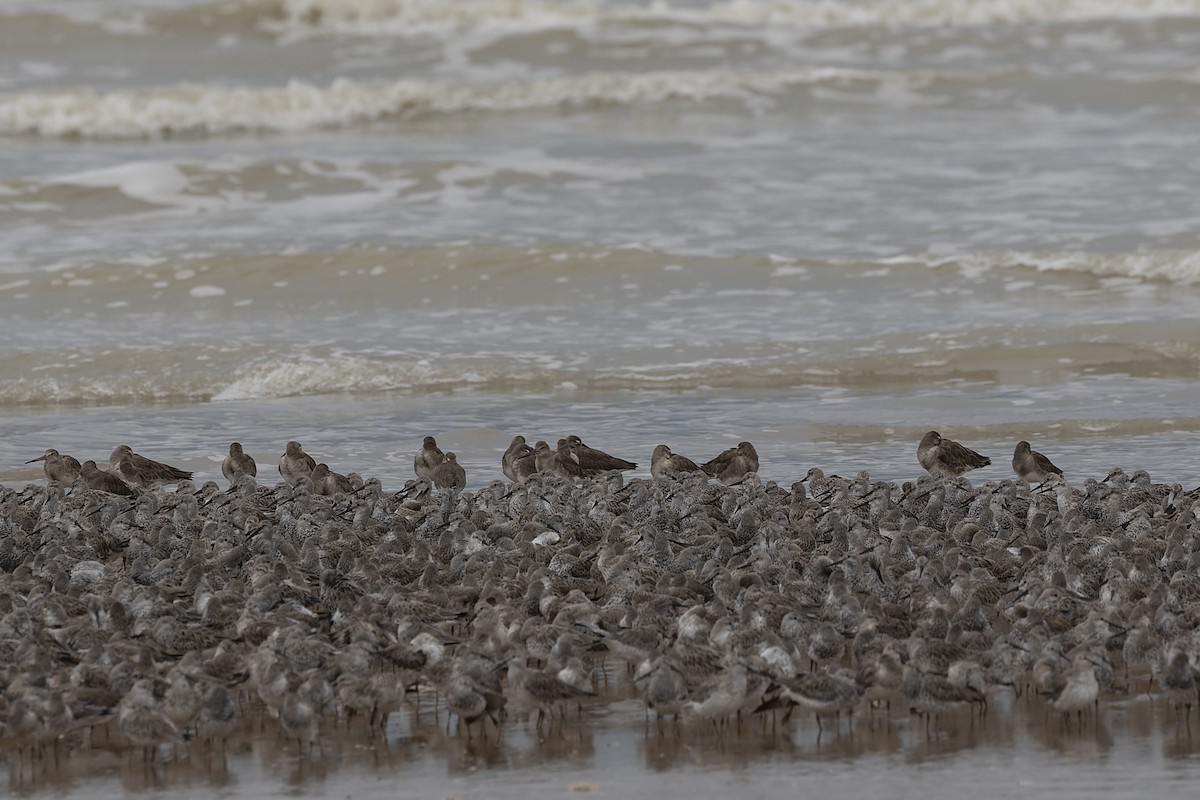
(192, 109)
(1178, 266)
(342, 374)
(299, 18)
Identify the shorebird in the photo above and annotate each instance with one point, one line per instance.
(558, 462)
(664, 463)
(947, 458)
(930, 694)
(427, 459)
(299, 717)
(465, 700)
(95, 478)
(880, 677)
(543, 456)
(327, 482)
(822, 693)
(218, 715)
(595, 461)
(666, 691)
(142, 721)
(536, 689)
(523, 463)
(732, 466)
(238, 463)
(563, 462)
(1178, 679)
(58, 467)
(1079, 692)
(141, 471)
(449, 474)
(517, 449)
(295, 464)
(723, 695)
(1030, 465)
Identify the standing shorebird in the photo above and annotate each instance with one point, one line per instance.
(1079, 692)
(518, 461)
(238, 463)
(295, 464)
(449, 474)
(58, 467)
(947, 458)
(543, 457)
(565, 463)
(141, 471)
(327, 482)
(1030, 465)
(664, 463)
(536, 689)
(517, 448)
(732, 466)
(822, 693)
(140, 718)
(427, 459)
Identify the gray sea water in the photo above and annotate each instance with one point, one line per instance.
(825, 226)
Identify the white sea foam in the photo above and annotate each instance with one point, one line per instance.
(305, 376)
(301, 18)
(152, 182)
(158, 183)
(1169, 265)
(192, 109)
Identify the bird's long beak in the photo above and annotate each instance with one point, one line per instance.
(35, 460)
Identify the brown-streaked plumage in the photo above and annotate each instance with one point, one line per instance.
(295, 464)
(947, 458)
(141, 471)
(522, 463)
(517, 449)
(664, 463)
(595, 461)
(565, 463)
(543, 456)
(95, 478)
(58, 467)
(449, 474)
(537, 689)
(237, 463)
(327, 482)
(140, 718)
(1030, 465)
(427, 458)
(733, 465)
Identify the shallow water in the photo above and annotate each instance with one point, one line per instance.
(1134, 746)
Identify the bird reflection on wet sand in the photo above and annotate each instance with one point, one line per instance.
(418, 750)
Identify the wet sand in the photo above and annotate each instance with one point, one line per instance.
(1134, 746)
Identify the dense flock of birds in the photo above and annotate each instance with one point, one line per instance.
(168, 615)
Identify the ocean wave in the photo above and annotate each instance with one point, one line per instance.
(372, 272)
(304, 18)
(195, 110)
(291, 20)
(1176, 266)
(190, 374)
